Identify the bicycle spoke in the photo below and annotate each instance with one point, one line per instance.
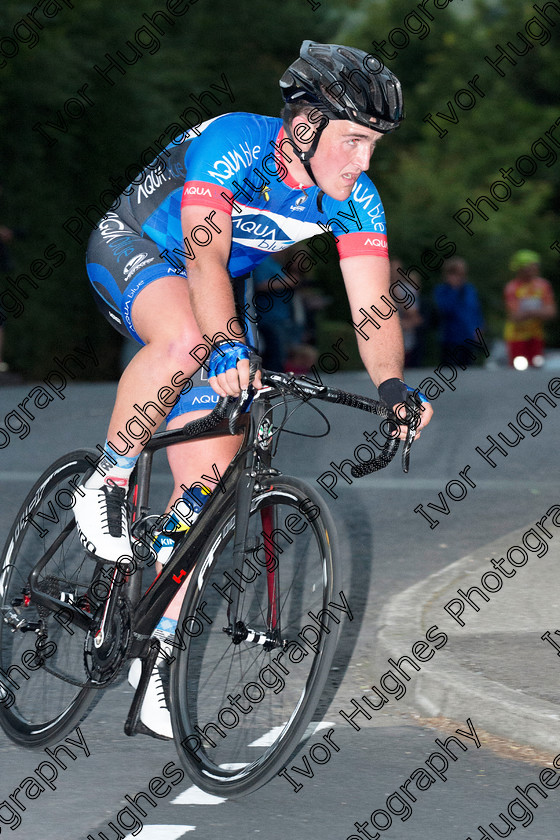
(47, 680)
(234, 691)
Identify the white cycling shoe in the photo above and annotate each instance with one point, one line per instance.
(154, 713)
(101, 520)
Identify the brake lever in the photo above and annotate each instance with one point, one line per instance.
(246, 395)
(410, 435)
(412, 429)
(237, 409)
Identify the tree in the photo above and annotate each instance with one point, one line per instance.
(63, 151)
(469, 120)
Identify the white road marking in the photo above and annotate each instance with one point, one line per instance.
(268, 738)
(315, 726)
(162, 832)
(195, 796)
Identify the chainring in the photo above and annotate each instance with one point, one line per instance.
(103, 663)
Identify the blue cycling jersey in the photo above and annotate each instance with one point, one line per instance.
(235, 163)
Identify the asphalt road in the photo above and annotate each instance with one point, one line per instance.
(386, 547)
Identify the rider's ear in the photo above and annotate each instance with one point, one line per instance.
(303, 130)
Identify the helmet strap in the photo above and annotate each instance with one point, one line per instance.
(321, 192)
(305, 158)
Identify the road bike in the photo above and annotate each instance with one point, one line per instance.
(258, 625)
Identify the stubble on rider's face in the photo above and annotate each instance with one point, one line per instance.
(344, 152)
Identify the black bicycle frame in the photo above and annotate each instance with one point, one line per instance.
(147, 609)
(250, 462)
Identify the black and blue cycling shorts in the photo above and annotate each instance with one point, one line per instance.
(122, 260)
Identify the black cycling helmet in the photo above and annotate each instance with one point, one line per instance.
(338, 81)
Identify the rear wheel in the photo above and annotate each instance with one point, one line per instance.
(44, 687)
(243, 696)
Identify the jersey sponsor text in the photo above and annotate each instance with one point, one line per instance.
(233, 161)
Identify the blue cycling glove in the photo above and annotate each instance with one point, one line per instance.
(225, 357)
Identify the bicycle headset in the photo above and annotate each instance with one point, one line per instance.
(331, 77)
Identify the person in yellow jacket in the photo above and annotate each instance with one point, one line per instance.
(529, 301)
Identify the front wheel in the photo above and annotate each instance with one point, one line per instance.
(242, 695)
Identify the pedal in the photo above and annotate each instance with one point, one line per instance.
(134, 725)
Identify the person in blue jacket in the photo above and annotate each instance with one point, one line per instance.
(458, 306)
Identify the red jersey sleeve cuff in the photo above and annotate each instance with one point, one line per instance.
(362, 244)
(208, 195)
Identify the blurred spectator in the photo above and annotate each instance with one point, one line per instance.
(287, 329)
(307, 303)
(276, 327)
(414, 319)
(301, 358)
(458, 306)
(529, 301)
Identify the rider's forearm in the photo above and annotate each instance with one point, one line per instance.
(212, 301)
(380, 339)
(383, 353)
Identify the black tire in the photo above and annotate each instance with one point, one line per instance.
(44, 688)
(210, 666)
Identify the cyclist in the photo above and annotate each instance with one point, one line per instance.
(228, 193)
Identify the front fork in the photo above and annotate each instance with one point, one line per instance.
(258, 469)
(243, 497)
